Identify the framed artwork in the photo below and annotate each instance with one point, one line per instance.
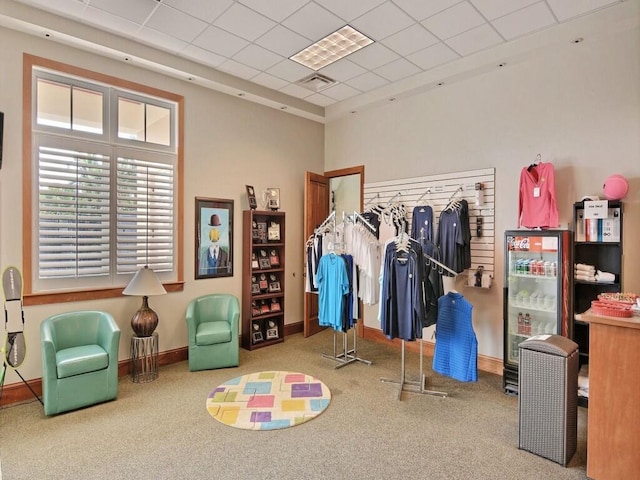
(273, 198)
(251, 195)
(214, 238)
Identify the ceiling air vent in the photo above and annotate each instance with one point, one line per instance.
(316, 82)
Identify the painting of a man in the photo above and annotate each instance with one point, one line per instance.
(214, 247)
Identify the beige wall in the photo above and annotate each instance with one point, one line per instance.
(229, 143)
(576, 105)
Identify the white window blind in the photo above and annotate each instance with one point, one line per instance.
(74, 213)
(145, 215)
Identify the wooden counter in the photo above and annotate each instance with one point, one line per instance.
(613, 432)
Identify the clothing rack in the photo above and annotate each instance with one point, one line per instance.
(347, 356)
(357, 216)
(413, 386)
(427, 192)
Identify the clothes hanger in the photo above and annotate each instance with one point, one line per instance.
(536, 163)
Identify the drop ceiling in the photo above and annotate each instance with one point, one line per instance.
(252, 40)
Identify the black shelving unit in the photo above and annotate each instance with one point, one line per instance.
(599, 245)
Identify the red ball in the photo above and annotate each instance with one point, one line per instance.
(615, 187)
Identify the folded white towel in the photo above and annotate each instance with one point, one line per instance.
(585, 278)
(605, 277)
(585, 267)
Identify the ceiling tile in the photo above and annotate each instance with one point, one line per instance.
(244, 22)
(160, 40)
(341, 92)
(206, 10)
(175, 23)
(492, 9)
(283, 41)
(348, 10)
(474, 40)
(410, 40)
(313, 22)
(397, 70)
(433, 56)
(275, 10)
(382, 21)
(321, 100)
(289, 70)
(453, 21)
(367, 82)
(269, 81)
(296, 91)
(238, 69)
(342, 70)
(257, 57)
(565, 10)
(218, 41)
(108, 21)
(373, 56)
(203, 56)
(524, 21)
(137, 11)
(421, 9)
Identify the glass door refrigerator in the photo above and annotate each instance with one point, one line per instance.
(537, 292)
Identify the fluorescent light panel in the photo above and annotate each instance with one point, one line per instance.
(333, 47)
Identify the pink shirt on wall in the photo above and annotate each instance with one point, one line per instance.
(537, 207)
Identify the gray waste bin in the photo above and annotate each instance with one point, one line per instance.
(548, 397)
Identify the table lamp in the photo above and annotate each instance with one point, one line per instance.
(144, 284)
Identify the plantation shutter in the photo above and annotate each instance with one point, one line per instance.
(145, 213)
(73, 233)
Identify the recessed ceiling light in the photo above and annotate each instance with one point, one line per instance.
(502, 64)
(283, 107)
(439, 84)
(331, 48)
(577, 40)
(241, 94)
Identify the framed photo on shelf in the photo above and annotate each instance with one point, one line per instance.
(263, 284)
(264, 259)
(264, 308)
(275, 305)
(214, 238)
(274, 287)
(251, 195)
(272, 331)
(262, 232)
(273, 232)
(256, 332)
(255, 286)
(254, 261)
(255, 309)
(274, 259)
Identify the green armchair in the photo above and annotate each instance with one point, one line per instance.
(79, 360)
(212, 327)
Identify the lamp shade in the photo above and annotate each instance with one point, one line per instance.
(144, 284)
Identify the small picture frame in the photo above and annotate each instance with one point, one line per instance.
(254, 261)
(262, 232)
(263, 284)
(251, 195)
(265, 263)
(275, 305)
(273, 232)
(255, 309)
(273, 198)
(274, 259)
(255, 288)
(274, 287)
(264, 308)
(272, 331)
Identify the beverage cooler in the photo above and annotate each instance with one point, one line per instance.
(537, 292)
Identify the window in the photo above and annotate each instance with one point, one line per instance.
(104, 170)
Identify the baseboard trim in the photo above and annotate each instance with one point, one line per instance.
(19, 392)
(485, 363)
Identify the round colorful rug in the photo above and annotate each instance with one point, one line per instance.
(268, 400)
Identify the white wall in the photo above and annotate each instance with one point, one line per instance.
(578, 105)
(229, 143)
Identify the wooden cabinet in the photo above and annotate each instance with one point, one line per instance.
(613, 441)
(597, 242)
(263, 264)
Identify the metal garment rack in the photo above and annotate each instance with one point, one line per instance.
(413, 386)
(347, 356)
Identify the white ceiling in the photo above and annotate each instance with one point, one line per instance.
(252, 39)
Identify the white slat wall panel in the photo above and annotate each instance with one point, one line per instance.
(437, 190)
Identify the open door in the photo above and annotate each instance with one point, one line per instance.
(317, 200)
(316, 209)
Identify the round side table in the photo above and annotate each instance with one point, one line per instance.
(144, 358)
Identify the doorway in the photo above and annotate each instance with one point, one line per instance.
(335, 190)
